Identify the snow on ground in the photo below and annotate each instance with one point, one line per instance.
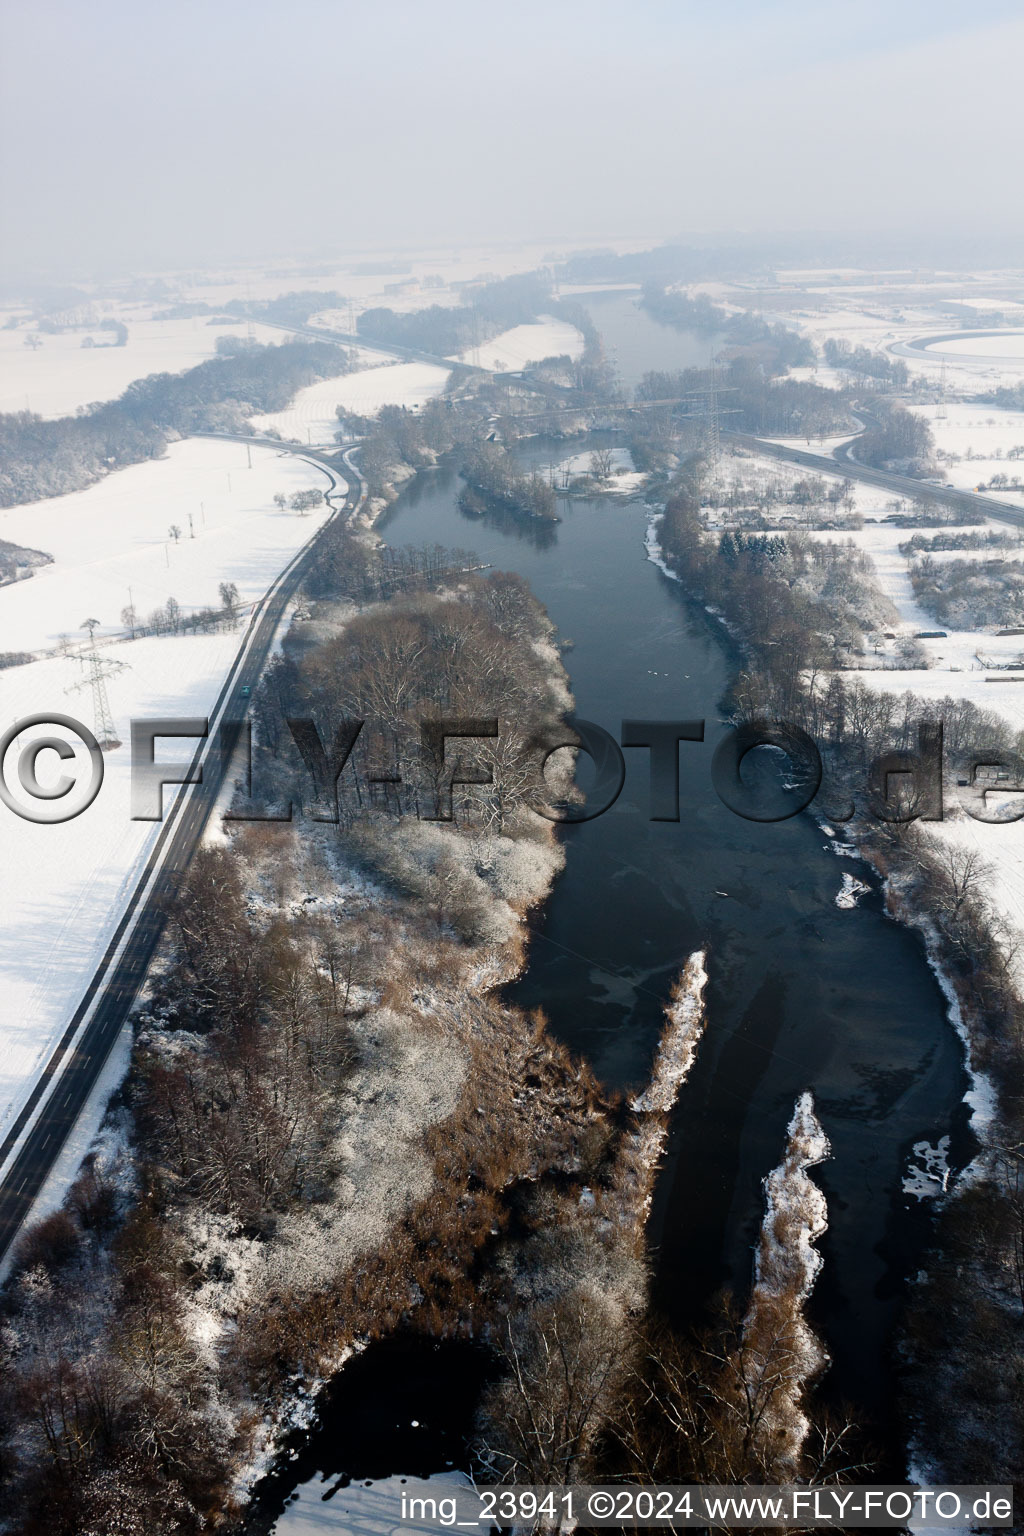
(369, 1508)
(754, 468)
(312, 414)
(823, 445)
(927, 1173)
(399, 280)
(1007, 347)
(685, 1020)
(546, 337)
(61, 375)
(892, 570)
(625, 479)
(999, 844)
(114, 536)
(786, 1265)
(63, 887)
(966, 664)
(980, 436)
(105, 1141)
(886, 316)
(851, 892)
(957, 673)
(780, 1264)
(881, 541)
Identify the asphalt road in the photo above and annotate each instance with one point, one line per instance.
(900, 485)
(75, 1064)
(925, 344)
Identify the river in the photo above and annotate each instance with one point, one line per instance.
(802, 993)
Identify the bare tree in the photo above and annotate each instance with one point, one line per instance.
(601, 464)
(564, 1362)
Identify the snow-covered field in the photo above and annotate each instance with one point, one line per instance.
(412, 278)
(887, 311)
(962, 664)
(513, 349)
(1000, 845)
(312, 415)
(61, 375)
(115, 536)
(980, 437)
(63, 887)
(882, 540)
(1007, 347)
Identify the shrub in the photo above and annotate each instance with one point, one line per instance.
(49, 1244)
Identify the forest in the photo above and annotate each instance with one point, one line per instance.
(965, 1313)
(777, 345)
(445, 331)
(752, 401)
(493, 479)
(897, 439)
(41, 458)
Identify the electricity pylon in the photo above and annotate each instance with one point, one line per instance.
(710, 434)
(98, 669)
(940, 414)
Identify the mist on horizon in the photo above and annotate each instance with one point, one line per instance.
(143, 137)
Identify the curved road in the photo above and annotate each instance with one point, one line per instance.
(71, 1072)
(900, 485)
(921, 346)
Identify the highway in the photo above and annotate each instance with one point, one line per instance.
(76, 1062)
(900, 485)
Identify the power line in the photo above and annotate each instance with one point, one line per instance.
(98, 669)
(711, 433)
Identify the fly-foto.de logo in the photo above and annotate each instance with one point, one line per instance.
(52, 769)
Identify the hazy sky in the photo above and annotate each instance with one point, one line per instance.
(133, 133)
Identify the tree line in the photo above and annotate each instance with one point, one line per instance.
(866, 363)
(41, 458)
(447, 330)
(750, 399)
(778, 345)
(493, 478)
(961, 1331)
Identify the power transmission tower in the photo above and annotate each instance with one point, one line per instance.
(940, 414)
(711, 435)
(98, 669)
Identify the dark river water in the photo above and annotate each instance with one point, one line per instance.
(802, 994)
(636, 344)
